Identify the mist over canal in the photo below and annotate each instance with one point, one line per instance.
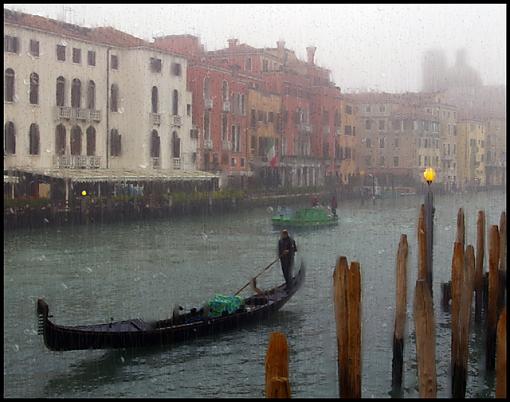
(88, 274)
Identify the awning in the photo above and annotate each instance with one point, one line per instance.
(11, 179)
(119, 175)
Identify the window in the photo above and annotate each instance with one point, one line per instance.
(382, 125)
(91, 141)
(176, 69)
(61, 52)
(34, 47)
(60, 92)
(154, 99)
(395, 161)
(76, 140)
(381, 161)
(337, 119)
(155, 65)
(91, 95)
(155, 142)
(253, 120)
(60, 140)
(348, 130)
(76, 93)
(34, 89)
(368, 160)
(381, 142)
(270, 117)
(9, 139)
(224, 89)
(224, 127)
(382, 108)
(368, 109)
(188, 109)
(207, 125)
(114, 61)
(264, 65)
(348, 109)
(115, 140)
(207, 88)
(76, 55)
(368, 142)
(9, 85)
(260, 115)
(368, 124)
(114, 98)
(353, 130)
(243, 110)
(176, 145)
(91, 58)
(248, 64)
(11, 44)
(396, 142)
(232, 161)
(175, 102)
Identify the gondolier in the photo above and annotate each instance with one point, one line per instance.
(286, 249)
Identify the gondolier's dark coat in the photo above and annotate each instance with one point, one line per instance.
(287, 260)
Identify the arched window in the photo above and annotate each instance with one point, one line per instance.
(176, 145)
(9, 85)
(91, 95)
(225, 90)
(154, 144)
(115, 139)
(33, 139)
(207, 88)
(175, 103)
(61, 91)
(76, 140)
(60, 140)
(91, 141)
(9, 139)
(154, 99)
(34, 88)
(76, 93)
(114, 98)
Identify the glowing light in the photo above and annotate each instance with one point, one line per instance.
(429, 174)
(84, 193)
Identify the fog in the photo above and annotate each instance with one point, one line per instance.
(377, 47)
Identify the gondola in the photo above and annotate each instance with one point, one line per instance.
(138, 333)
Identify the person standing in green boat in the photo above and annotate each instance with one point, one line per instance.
(286, 249)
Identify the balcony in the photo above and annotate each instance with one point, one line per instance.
(76, 162)
(156, 162)
(73, 113)
(208, 143)
(304, 128)
(226, 145)
(176, 120)
(155, 119)
(177, 163)
(208, 103)
(226, 106)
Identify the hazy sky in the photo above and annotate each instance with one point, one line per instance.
(375, 46)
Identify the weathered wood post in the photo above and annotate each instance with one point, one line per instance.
(492, 309)
(277, 367)
(457, 280)
(461, 230)
(340, 301)
(429, 230)
(400, 314)
(501, 357)
(459, 378)
(354, 329)
(422, 245)
(502, 262)
(425, 340)
(480, 251)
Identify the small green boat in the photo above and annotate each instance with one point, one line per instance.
(305, 217)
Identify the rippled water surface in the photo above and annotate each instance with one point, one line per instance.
(89, 274)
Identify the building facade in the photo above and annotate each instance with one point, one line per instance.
(471, 140)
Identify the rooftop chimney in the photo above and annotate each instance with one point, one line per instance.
(232, 43)
(310, 51)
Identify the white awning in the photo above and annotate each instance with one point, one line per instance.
(11, 179)
(118, 175)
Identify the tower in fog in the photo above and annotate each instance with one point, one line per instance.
(434, 68)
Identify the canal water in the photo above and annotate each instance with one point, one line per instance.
(89, 274)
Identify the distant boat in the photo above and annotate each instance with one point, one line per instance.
(305, 217)
(138, 333)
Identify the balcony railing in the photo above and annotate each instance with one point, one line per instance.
(208, 103)
(226, 106)
(176, 120)
(226, 145)
(156, 163)
(76, 162)
(155, 119)
(208, 143)
(67, 112)
(177, 163)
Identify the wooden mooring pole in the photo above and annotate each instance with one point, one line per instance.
(492, 310)
(501, 378)
(347, 300)
(461, 229)
(479, 257)
(457, 280)
(400, 315)
(277, 367)
(425, 340)
(422, 246)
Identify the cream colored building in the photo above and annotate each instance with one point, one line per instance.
(92, 98)
(471, 141)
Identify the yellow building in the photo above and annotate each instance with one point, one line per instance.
(471, 143)
(347, 139)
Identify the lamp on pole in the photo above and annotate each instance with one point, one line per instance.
(429, 174)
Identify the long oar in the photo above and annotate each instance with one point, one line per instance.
(266, 268)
